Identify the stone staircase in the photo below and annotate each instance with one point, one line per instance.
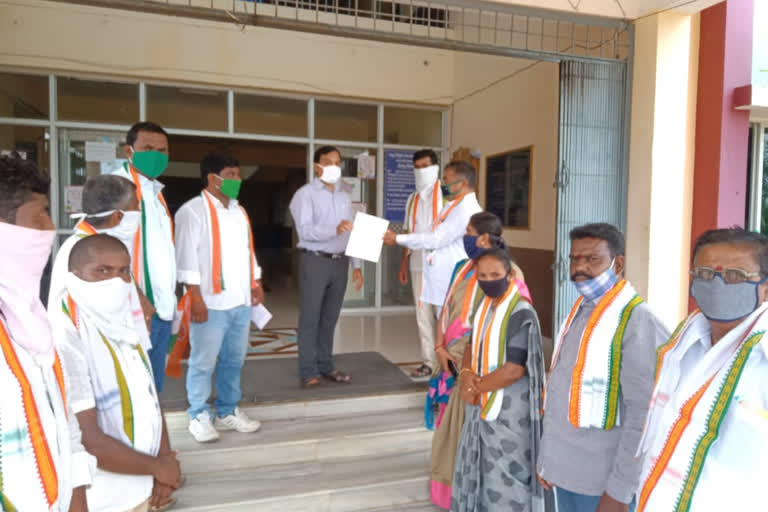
(343, 455)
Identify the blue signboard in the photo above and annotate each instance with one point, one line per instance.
(398, 183)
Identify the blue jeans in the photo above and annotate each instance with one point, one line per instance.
(158, 354)
(568, 501)
(224, 337)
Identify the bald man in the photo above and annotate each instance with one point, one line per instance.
(112, 388)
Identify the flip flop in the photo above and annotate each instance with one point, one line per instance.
(165, 506)
(338, 376)
(310, 382)
(422, 371)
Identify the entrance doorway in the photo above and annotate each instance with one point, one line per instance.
(272, 172)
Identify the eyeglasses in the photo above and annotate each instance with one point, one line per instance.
(729, 275)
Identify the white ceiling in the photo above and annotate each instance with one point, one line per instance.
(613, 8)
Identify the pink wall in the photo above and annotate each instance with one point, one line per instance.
(722, 133)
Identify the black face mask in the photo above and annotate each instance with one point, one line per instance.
(494, 289)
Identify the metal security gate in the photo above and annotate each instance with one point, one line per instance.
(592, 176)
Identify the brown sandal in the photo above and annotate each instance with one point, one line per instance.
(338, 377)
(165, 506)
(310, 382)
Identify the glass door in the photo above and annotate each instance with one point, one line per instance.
(83, 154)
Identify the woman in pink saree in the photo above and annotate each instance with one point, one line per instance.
(454, 330)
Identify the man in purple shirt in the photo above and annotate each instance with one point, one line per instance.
(322, 213)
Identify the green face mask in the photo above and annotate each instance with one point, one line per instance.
(230, 187)
(151, 163)
(445, 188)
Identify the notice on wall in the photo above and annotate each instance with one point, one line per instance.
(353, 187)
(73, 199)
(398, 183)
(366, 167)
(100, 151)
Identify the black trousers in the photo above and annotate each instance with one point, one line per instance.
(322, 284)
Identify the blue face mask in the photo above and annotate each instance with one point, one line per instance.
(596, 287)
(494, 289)
(723, 302)
(471, 248)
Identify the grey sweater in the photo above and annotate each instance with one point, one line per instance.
(594, 461)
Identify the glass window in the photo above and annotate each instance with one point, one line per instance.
(764, 203)
(79, 160)
(413, 127)
(185, 107)
(363, 194)
(23, 96)
(32, 142)
(398, 185)
(100, 102)
(272, 116)
(345, 121)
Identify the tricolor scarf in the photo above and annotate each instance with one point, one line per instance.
(412, 208)
(673, 465)
(140, 257)
(441, 383)
(111, 386)
(31, 430)
(461, 325)
(489, 345)
(595, 382)
(214, 232)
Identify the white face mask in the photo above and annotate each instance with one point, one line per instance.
(425, 177)
(331, 174)
(108, 304)
(126, 230)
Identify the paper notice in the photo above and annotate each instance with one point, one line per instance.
(260, 316)
(100, 151)
(367, 237)
(73, 199)
(366, 167)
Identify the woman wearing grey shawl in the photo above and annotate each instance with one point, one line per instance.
(502, 382)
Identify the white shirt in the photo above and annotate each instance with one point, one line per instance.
(424, 220)
(193, 255)
(736, 465)
(21, 481)
(444, 248)
(162, 257)
(133, 489)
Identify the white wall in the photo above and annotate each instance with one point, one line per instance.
(504, 104)
(661, 161)
(60, 37)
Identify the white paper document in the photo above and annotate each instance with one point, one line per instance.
(366, 238)
(260, 316)
(100, 151)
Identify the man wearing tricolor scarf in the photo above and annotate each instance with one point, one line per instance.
(443, 243)
(153, 258)
(111, 390)
(43, 465)
(217, 265)
(422, 208)
(705, 446)
(600, 381)
(110, 207)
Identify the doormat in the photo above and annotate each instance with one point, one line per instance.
(271, 342)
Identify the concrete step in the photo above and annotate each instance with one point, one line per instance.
(305, 440)
(421, 506)
(339, 407)
(352, 484)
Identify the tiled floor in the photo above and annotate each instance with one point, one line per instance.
(394, 335)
